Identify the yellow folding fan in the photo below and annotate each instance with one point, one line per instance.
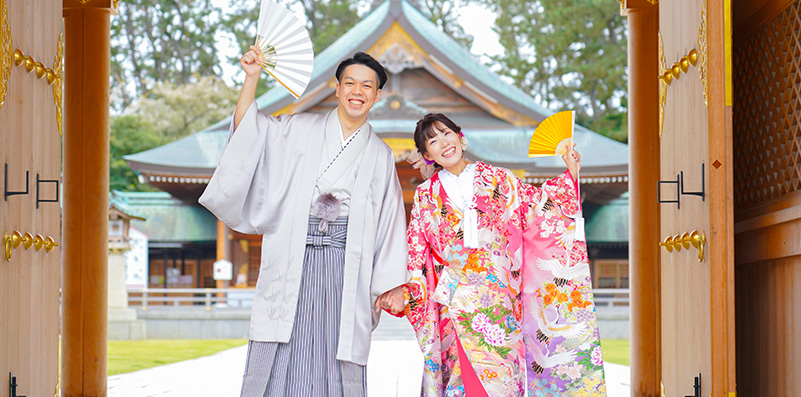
(553, 136)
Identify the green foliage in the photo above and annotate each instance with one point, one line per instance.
(326, 21)
(177, 110)
(161, 40)
(169, 112)
(569, 54)
(240, 22)
(129, 134)
(443, 13)
(128, 356)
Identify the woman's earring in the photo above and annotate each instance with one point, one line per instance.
(464, 143)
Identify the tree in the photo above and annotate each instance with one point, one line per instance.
(161, 40)
(326, 21)
(129, 134)
(443, 13)
(169, 112)
(570, 54)
(177, 110)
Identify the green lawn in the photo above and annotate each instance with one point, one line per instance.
(128, 356)
(615, 351)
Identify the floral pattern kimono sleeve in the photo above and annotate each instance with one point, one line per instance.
(421, 310)
(563, 350)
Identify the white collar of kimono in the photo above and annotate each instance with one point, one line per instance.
(342, 140)
(460, 192)
(459, 188)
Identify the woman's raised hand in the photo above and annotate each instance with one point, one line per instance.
(251, 62)
(573, 160)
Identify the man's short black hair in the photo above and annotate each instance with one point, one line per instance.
(362, 58)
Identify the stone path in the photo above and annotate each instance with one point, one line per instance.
(394, 370)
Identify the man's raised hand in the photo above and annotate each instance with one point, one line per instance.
(251, 62)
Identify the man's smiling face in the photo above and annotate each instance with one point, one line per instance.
(358, 91)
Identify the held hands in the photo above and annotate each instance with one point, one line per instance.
(392, 300)
(251, 62)
(573, 161)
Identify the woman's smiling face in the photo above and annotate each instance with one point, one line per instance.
(444, 148)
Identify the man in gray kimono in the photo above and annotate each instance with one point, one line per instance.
(323, 191)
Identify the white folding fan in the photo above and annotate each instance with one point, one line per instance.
(286, 49)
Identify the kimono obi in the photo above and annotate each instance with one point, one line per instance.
(335, 236)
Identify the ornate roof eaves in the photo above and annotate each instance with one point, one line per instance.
(462, 81)
(170, 170)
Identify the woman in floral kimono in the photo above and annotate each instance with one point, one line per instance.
(500, 292)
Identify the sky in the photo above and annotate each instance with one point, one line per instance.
(473, 19)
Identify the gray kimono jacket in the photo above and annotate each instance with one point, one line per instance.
(264, 185)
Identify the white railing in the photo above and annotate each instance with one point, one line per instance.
(243, 297)
(609, 297)
(230, 297)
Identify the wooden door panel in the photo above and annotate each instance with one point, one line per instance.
(30, 148)
(684, 147)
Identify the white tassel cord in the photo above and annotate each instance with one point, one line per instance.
(579, 232)
(470, 227)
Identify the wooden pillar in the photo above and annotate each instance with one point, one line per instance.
(721, 209)
(644, 255)
(85, 211)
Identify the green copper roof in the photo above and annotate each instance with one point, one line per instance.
(169, 219)
(114, 201)
(497, 143)
(608, 223)
(199, 150)
(510, 146)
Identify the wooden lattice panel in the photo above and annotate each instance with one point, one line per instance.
(767, 111)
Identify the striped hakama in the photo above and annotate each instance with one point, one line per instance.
(307, 365)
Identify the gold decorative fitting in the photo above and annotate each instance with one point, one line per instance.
(676, 71)
(30, 63)
(54, 75)
(58, 82)
(698, 241)
(8, 245)
(49, 244)
(665, 78)
(6, 46)
(10, 242)
(684, 62)
(685, 240)
(38, 242)
(40, 70)
(16, 238)
(702, 54)
(693, 57)
(27, 240)
(667, 244)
